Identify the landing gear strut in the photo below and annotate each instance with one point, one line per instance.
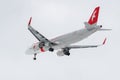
(34, 56)
(51, 49)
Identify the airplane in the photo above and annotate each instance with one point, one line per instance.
(64, 42)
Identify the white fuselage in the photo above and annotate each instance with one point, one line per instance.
(65, 40)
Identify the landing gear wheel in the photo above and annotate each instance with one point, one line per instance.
(34, 56)
(51, 49)
(67, 53)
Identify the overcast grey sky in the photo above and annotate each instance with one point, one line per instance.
(53, 18)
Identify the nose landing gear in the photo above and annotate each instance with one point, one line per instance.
(34, 58)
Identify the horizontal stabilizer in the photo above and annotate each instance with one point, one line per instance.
(104, 29)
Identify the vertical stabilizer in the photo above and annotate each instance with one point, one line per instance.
(94, 17)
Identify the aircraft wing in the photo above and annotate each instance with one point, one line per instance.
(39, 36)
(82, 46)
(85, 46)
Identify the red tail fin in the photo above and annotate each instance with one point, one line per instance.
(94, 17)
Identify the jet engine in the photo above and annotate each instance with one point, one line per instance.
(60, 53)
(41, 44)
(63, 52)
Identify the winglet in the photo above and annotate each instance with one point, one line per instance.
(29, 23)
(104, 41)
(104, 29)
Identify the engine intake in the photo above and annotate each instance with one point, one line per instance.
(41, 44)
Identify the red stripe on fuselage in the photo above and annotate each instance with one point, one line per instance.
(42, 50)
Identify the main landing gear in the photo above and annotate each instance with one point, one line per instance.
(34, 58)
(51, 49)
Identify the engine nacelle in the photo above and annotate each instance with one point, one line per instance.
(41, 44)
(60, 53)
